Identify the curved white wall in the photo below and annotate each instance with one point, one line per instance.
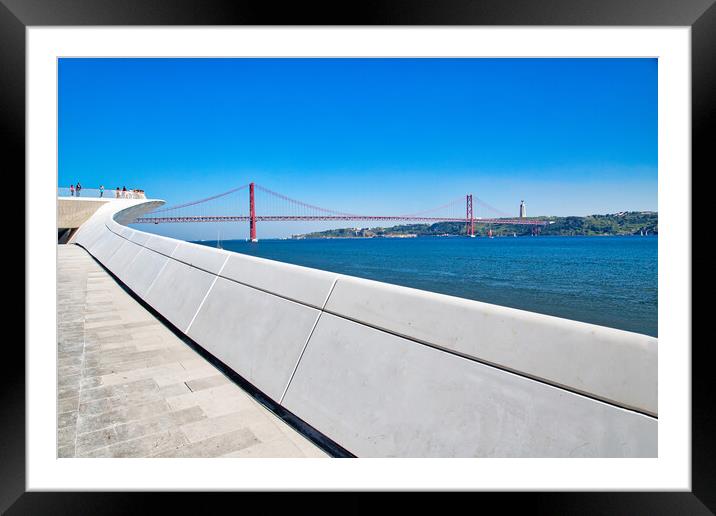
(391, 371)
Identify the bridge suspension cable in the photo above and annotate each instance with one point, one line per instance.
(492, 208)
(201, 201)
(452, 204)
(304, 204)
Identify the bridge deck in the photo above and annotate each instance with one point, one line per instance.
(129, 387)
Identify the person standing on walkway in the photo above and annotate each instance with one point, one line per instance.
(116, 194)
(79, 187)
(72, 190)
(124, 192)
(101, 190)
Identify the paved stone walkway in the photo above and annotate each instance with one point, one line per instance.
(128, 387)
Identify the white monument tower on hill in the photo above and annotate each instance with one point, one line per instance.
(523, 210)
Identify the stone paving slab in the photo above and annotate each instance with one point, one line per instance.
(128, 387)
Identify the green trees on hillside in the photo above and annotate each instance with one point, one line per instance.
(624, 223)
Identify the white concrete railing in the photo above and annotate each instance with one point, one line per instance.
(391, 371)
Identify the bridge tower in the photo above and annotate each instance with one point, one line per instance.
(469, 219)
(252, 211)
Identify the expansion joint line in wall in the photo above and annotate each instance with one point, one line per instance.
(169, 258)
(305, 344)
(186, 332)
(134, 258)
(116, 248)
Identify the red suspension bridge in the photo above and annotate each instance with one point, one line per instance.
(231, 206)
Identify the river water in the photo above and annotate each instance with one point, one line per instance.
(610, 281)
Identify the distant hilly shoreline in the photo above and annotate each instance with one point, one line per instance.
(615, 224)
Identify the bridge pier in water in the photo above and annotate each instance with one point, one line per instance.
(469, 219)
(252, 216)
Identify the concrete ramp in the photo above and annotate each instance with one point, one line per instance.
(388, 371)
(72, 212)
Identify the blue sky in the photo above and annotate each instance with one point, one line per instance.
(383, 136)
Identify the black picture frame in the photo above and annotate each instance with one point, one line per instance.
(700, 15)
